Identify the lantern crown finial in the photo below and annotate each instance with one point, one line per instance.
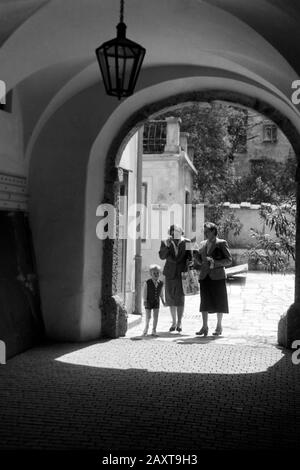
(121, 30)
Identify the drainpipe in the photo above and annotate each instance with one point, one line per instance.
(138, 243)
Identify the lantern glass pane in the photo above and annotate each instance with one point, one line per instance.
(112, 71)
(127, 70)
(102, 61)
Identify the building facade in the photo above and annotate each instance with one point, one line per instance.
(158, 175)
(263, 141)
(168, 172)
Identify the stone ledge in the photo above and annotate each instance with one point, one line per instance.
(249, 205)
(243, 205)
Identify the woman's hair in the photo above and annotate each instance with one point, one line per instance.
(173, 227)
(212, 227)
(154, 266)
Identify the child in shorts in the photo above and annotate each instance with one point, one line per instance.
(153, 292)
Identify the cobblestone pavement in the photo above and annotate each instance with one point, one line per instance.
(175, 393)
(256, 302)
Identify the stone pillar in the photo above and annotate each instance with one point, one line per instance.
(173, 135)
(289, 324)
(184, 141)
(114, 313)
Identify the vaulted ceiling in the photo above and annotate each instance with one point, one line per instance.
(48, 45)
(275, 20)
(14, 12)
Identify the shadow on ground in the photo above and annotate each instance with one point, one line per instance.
(49, 402)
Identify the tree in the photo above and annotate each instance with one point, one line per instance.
(226, 224)
(216, 132)
(269, 181)
(273, 253)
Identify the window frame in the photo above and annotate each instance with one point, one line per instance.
(272, 128)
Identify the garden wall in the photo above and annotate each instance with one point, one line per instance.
(249, 216)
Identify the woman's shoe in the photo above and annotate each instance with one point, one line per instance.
(179, 329)
(173, 328)
(203, 331)
(218, 331)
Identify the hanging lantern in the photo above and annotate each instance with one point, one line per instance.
(120, 61)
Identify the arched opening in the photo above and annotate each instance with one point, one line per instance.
(75, 157)
(110, 260)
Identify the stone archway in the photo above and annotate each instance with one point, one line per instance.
(289, 325)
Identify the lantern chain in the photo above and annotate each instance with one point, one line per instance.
(121, 11)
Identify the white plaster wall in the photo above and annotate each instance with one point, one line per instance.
(150, 256)
(162, 172)
(129, 162)
(168, 177)
(70, 287)
(165, 178)
(250, 218)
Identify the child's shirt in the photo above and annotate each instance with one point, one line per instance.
(152, 292)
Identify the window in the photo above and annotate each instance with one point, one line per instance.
(269, 133)
(155, 136)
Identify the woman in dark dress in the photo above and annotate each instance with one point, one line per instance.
(174, 251)
(212, 258)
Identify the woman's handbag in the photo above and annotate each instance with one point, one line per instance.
(190, 283)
